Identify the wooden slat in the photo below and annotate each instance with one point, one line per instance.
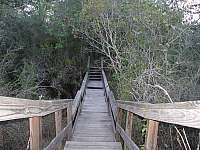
(58, 124)
(180, 113)
(69, 120)
(14, 108)
(128, 141)
(59, 138)
(198, 146)
(71, 145)
(151, 138)
(113, 104)
(76, 104)
(119, 122)
(35, 133)
(129, 126)
(83, 86)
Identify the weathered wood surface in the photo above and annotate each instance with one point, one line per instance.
(93, 128)
(15, 108)
(152, 134)
(57, 141)
(71, 145)
(94, 113)
(129, 126)
(128, 141)
(180, 113)
(35, 133)
(58, 124)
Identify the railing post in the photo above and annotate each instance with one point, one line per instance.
(152, 133)
(198, 146)
(101, 62)
(69, 119)
(119, 120)
(129, 126)
(35, 133)
(88, 63)
(58, 124)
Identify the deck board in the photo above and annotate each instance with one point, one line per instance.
(93, 128)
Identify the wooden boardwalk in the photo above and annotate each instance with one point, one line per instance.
(93, 119)
(93, 129)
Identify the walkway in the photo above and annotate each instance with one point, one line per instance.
(93, 130)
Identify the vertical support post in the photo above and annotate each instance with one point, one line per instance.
(152, 133)
(69, 119)
(102, 63)
(119, 121)
(198, 146)
(1, 136)
(129, 126)
(88, 63)
(58, 124)
(35, 133)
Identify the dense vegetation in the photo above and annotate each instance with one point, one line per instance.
(153, 55)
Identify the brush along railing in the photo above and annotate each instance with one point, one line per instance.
(177, 113)
(34, 110)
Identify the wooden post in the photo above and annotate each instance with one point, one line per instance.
(1, 137)
(58, 124)
(88, 64)
(101, 62)
(129, 126)
(152, 133)
(119, 121)
(69, 119)
(35, 133)
(198, 146)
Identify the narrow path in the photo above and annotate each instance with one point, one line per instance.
(93, 130)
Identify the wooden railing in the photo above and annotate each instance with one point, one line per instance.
(34, 110)
(178, 113)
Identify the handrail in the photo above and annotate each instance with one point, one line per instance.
(178, 113)
(113, 108)
(77, 104)
(16, 108)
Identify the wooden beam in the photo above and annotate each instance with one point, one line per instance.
(14, 108)
(35, 133)
(59, 138)
(69, 120)
(129, 126)
(151, 138)
(180, 113)
(119, 121)
(58, 124)
(127, 140)
(198, 146)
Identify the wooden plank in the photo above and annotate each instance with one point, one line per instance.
(69, 119)
(59, 138)
(58, 124)
(76, 104)
(35, 133)
(198, 146)
(94, 122)
(93, 145)
(83, 85)
(180, 113)
(128, 141)
(14, 108)
(129, 126)
(151, 138)
(119, 121)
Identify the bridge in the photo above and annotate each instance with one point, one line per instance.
(94, 118)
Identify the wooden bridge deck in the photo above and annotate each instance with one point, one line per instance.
(94, 118)
(93, 129)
